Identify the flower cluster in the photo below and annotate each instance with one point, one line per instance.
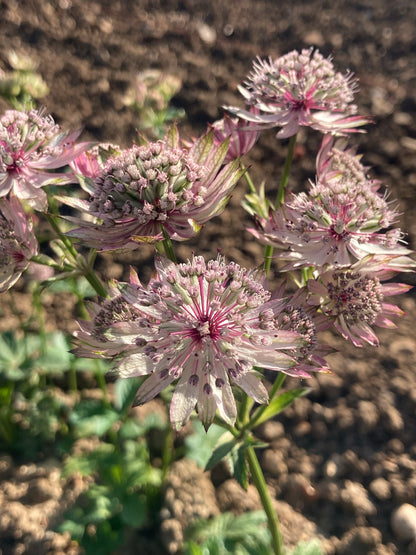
(31, 145)
(211, 326)
(341, 229)
(157, 189)
(207, 325)
(299, 89)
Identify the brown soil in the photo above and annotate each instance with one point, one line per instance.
(344, 458)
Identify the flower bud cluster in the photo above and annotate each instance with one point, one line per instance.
(341, 229)
(353, 299)
(147, 192)
(147, 183)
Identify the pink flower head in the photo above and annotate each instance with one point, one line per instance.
(206, 326)
(243, 136)
(300, 89)
(339, 220)
(159, 188)
(17, 242)
(352, 299)
(31, 145)
(337, 161)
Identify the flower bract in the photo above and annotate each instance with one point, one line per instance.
(242, 135)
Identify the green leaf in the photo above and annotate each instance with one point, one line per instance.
(221, 451)
(89, 463)
(312, 547)
(106, 539)
(56, 356)
(14, 357)
(102, 506)
(278, 404)
(240, 472)
(200, 444)
(61, 286)
(75, 529)
(125, 390)
(85, 289)
(245, 534)
(91, 365)
(92, 417)
(193, 549)
(134, 511)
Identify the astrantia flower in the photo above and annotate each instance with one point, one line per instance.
(155, 189)
(336, 160)
(300, 89)
(339, 220)
(17, 242)
(353, 300)
(206, 326)
(242, 136)
(31, 145)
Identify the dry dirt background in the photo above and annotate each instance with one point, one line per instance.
(344, 458)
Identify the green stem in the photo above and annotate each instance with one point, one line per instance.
(278, 382)
(268, 254)
(99, 376)
(72, 379)
(65, 240)
(84, 268)
(46, 261)
(260, 483)
(168, 448)
(7, 426)
(286, 171)
(220, 422)
(268, 251)
(96, 283)
(40, 315)
(244, 410)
